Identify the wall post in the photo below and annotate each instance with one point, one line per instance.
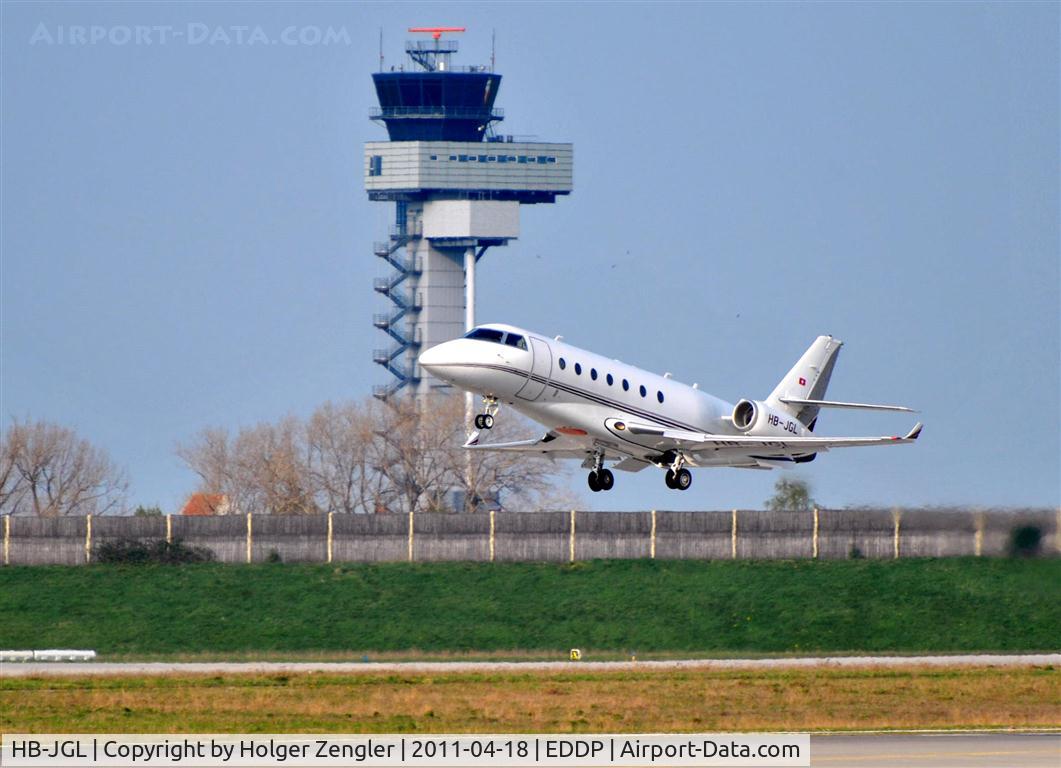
(250, 535)
(814, 546)
(492, 512)
(410, 554)
(652, 545)
(169, 529)
(7, 539)
(896, 515)
(1057, 531)
(733, 537)
(330, 536)
(571, 544)
(88, 538)
(978, 536)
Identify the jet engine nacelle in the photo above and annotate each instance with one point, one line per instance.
(756, 419)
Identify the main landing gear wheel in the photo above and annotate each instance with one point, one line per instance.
(484, 421)
(601, 480)
(680, 480)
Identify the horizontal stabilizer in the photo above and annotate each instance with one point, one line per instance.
(836, 404)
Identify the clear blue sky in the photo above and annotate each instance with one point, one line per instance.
(186, 241)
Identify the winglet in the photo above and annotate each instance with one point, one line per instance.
(473, 439)
(915, 432)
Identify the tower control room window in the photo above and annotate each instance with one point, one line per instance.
(375, 165)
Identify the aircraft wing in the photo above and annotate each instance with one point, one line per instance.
(551, 444)
(557, 446)
(698, 442)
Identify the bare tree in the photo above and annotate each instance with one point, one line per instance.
(416, 452)
(276, 459)
(263, 468)
(48, 471)
(366, 457)
(344, 457)
(12, 485)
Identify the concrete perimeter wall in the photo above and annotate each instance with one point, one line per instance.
(544, 536)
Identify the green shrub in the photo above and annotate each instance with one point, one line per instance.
(150, 551)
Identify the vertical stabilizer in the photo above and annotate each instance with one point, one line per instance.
(807, 380)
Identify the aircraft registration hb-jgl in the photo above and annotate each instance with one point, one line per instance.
(601, 410)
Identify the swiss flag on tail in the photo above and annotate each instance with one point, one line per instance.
(802, 381)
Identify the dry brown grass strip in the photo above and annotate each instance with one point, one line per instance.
(639, 701)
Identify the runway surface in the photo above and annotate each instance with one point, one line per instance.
(937, 750)
(28, 669)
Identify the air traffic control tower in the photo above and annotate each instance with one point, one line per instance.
(456, 185)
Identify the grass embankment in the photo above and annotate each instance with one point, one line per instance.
(629, 702)
(647, 607)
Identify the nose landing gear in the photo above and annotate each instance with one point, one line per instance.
(486, 420)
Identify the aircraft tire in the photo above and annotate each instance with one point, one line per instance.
(488, 421)
(683, 479)
(605, 479)
(594, 484)
(478, 421)
(669, 479)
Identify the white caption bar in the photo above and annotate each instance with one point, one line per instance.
(584, 751)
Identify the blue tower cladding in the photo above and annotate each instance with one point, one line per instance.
(456, 186)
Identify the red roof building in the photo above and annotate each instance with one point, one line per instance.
(201, 504)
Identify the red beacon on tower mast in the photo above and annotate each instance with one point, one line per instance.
(432, 55)
(436, 32)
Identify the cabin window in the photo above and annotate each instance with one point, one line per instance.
(609, 379)
(626, 385)
(563, 363)
(517, 341)
(578, 369)
(643, 390)
(485, 334)
(659, 396)
(593, 373)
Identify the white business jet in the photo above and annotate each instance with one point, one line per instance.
(601, 410)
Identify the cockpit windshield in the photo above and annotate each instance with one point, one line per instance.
(515, 340)
(498, 337)
(486, 334)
